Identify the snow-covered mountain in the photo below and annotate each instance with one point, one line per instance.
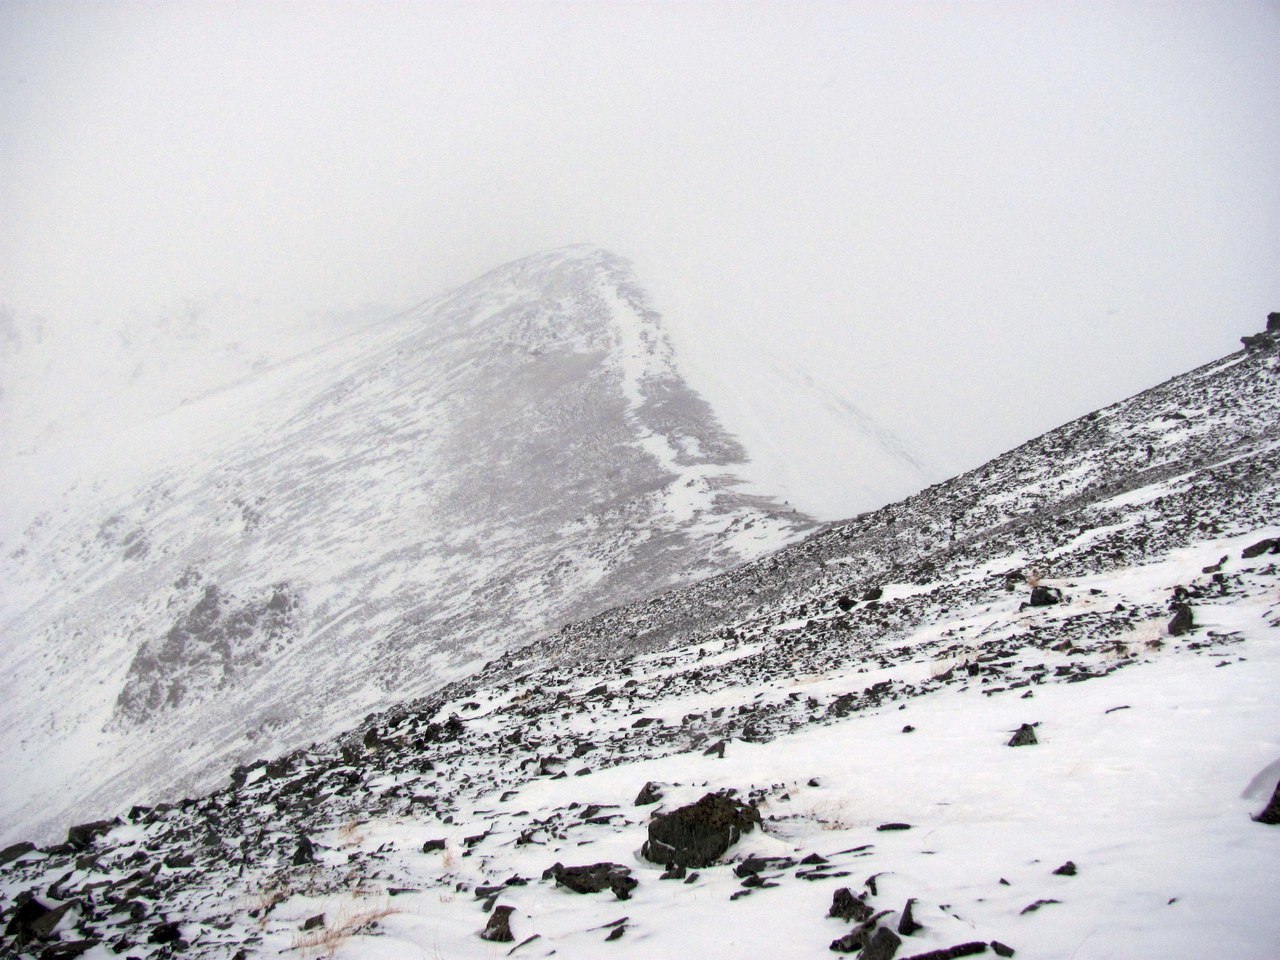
(357, 526)
(1027, 712)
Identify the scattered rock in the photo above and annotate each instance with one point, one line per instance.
(432, 845)
(1042, 596)
(698, 834)
(306, 852)
(951, 953)
(908, 729)
(649, 793)
(715, 750)
(1271, 815)
(165, 933)
(1068, 869)
(498, 929)
(1033, 907)
(881, 945)
(1270, 545)
(845, 906)
(893, 826)
(1025, 736)
(874, 593)
(1182, 621)
(1001, 950)
(594, 878)
(82, 835)
(14, 851)
(313, 923)
(907, 922)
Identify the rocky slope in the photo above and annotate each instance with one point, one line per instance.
(1026, 712)
(358, 526)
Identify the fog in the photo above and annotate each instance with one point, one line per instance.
(972, 221)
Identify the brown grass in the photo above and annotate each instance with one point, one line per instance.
(354, 919)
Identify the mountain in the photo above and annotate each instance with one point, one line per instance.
(356, 526)
(1027, 712)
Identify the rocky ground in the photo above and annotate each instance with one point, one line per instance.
(1026, 712)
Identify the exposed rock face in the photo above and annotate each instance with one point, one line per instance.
(498, 929)
(1042, 596)
(1271, 814)
(593, 879)
(699, 834)
(1024, 736)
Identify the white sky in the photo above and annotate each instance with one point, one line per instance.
(975, 221)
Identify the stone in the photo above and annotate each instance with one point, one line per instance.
(165, 933)
(845, 906)
(649, 794)
(881, 945)
(68, 950)
(1001, 950)
(314, 923)
(1024, 736)
(952, 953)
(594, 878)
(1042, 596)
(1033, 907)
(1273, 322)
(1271, 815)
(498, 929)
(16, 850)
(1182, 621)
(1270, 545)
(82, 835)
(887, 827)
(849, 943)
(432, 845)
(907, 922)
(306, 852)
(874, 593)
(698, 834)
(1068, 869)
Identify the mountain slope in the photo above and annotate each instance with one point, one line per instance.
(360, 525)
(1032, 709)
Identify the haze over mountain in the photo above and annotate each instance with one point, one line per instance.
(364, 522)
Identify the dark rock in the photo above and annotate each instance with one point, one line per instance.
(874, 593)
(849, 943)
(649, 793)
(754, 865)
(844, 603)
(81, 836)
(951, 953)
(313, 923)
(43, 926)
(306, 852)
(1025, 736)
(881, 945)
(1271, 815)
(1033, 907)
(617, 932)
(715, 750)
(845, 906)
(29, 910)
(431, 845)
(699, 834)
(1269, 545)
(1273, 322)
(498, 929)
(68, 950)
(1068, 869)
(814, 859)
(1001, 950)
(1182, 621)
(907, 922)
(1259, 342)
(165, 933)
(893, 826)
(594, 878)
(674, 872)
(177, 860)
(15, 851)
(908, 729)
(1042, 596)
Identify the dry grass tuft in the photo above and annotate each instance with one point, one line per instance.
(354, 919)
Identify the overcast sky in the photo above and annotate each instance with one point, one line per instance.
(975, 221)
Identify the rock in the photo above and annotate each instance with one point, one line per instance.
(845, 906)
(28, 911)
(1025, 736)
(594, 878)
(908, 729)
(1273, 323)
(845, 603)
(1068, 869)
(68, 950)
(165, 933)
(715, 750)
(498, 929)
(907, 922)
(1042, 596)
(1271, 815)
(43, 926)
(306, 852)
(698, 834)
(432, 845)
(82, 835)
(1182, 621)
(1259, 342)
(881, 945)
(849, 943)
(648, 794)
(874, 593)
(14, 851)
(314, 923)
(951, 953)
(1001, 950)
(1033, 907)
(1269, 545)
(884, 827)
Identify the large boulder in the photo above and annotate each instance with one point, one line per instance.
(697, 835)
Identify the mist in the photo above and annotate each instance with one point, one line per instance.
(972, 222)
